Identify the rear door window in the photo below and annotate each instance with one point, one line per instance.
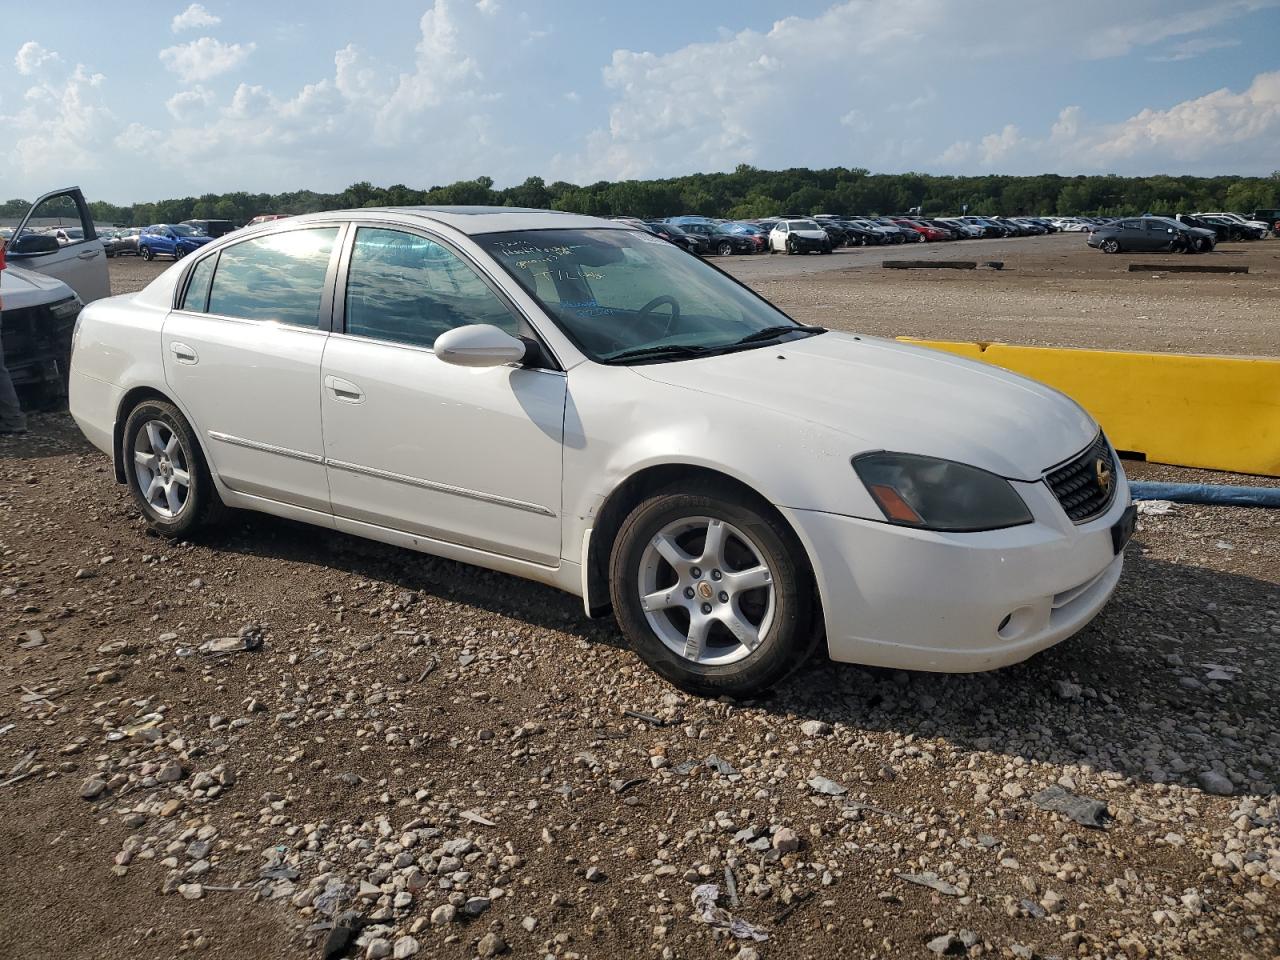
(278, 278)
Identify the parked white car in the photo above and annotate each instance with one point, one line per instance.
(799, 236)
(580, 403)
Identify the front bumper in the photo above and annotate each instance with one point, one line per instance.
(919, 600)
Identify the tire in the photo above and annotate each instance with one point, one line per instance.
(146, 253)
(178, 253)
(791, 248)
(725, 249)
(921, 238)
(156, 428)
(778, 614)
(1110, 246)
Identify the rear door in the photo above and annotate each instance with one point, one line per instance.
(242, 353)
(80, 264)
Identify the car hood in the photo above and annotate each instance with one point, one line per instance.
(21, 288)
(809, 234)
(886, 395)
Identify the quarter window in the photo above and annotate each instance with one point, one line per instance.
(197, 295)
(408, 289)
(279, 277)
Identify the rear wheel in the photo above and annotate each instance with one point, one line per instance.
(711, 591)
(166, 471)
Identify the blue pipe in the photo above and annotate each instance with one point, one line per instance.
(1208, 493)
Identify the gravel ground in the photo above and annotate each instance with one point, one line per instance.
(235, 746)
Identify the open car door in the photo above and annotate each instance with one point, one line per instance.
(80, 262)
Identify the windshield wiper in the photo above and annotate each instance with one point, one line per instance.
(768, 333)
(661, 350)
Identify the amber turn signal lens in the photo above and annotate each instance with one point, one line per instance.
(894, 507)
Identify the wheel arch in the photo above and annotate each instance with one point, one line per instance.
(131, 399)
(644, 483)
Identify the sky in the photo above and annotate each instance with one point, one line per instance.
(137, 103)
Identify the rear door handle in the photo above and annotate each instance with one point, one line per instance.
(182, 353)
(344, 390)
(87, 255)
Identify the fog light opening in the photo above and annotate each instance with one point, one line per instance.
(1016, 624)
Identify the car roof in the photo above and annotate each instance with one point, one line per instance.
(478, 220)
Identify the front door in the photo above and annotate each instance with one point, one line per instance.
(242, 353)
(463, 455)
(79, 260)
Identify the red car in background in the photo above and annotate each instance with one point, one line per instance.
(925, 231)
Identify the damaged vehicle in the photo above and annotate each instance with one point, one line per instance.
(580, 403)
(47, 280)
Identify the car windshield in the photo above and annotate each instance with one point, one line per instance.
(182, 230)
(803, 225)
(619, 294)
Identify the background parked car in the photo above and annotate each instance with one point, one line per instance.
(212, 228)
(170, 240)
(691, 242)
(118, 243)
(1146, 234)
(799, 236)
(720, 239)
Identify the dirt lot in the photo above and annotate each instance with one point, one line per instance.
(1053, 291)
(473, 768)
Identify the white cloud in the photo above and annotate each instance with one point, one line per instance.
(489, 8)
(204, 58)
(1190, 49)
(138, 139)
(59, 128)
(1219, 132)
(441, 66)
(188, 104)
(195, 17)
(32, 56)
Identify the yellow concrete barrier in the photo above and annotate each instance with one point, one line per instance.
(1219, 413)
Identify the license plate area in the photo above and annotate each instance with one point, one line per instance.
(1123, 528)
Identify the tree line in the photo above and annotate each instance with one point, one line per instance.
(747, 193)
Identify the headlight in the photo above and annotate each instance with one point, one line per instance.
(930, 494)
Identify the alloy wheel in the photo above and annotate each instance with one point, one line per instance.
(162, 469)
(706, 590)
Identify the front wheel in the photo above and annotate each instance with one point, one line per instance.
(1110, 246)
(725, 248)
(711, 590)
(166, 471)
(147, 253)
(178, 253)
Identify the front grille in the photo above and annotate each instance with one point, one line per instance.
(1086, 483)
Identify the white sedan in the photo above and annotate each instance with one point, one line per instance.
(580, 403)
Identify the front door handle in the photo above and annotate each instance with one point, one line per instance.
(87, 255)
(344, 390)
(182, 353)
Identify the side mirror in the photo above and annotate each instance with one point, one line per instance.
(33, 244)
(478, 345)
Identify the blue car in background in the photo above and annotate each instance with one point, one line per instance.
(170, 240)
